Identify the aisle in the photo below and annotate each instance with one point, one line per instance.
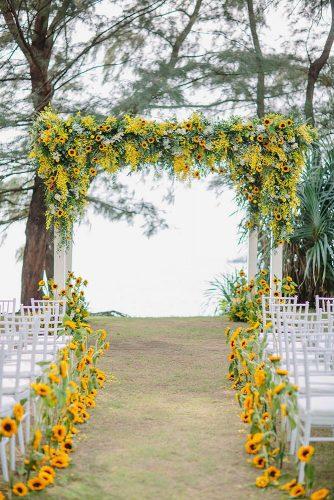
(168, 428)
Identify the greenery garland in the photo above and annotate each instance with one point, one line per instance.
(261, 158)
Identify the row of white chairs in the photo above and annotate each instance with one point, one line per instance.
(28, 339)
(304, 341)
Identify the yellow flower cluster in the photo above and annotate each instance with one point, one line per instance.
(268, 405)
(263, 159)
(245, 302)
(62, 397)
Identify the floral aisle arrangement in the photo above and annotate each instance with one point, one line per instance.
(261, 157)
(268, 404)
(63, 397)
(241, 300)
(245, 303)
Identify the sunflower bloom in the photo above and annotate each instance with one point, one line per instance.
(36, 483)
(320, 494)
(20, 490)
(305, 453)
(297, 491)
(18, 412)
(8, 427)
(58, 432)
(262, 481)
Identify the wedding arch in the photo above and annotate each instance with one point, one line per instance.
(261, 157)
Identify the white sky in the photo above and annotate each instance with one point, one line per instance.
(165, 275)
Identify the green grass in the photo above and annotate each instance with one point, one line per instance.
(168, 427)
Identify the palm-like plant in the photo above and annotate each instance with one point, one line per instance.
(310, 253)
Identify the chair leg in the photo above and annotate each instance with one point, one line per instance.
(3, 457)
(12, 453)
(293, 441)
(21, 438)
(306, 440)
(27, 421)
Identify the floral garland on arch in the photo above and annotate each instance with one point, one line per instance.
(262, 158)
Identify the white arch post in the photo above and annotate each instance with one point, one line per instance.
(276, 264)
(62, 261)
(252, 254)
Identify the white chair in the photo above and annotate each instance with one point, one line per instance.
(316, 409)
(7, 307)
(322, 303)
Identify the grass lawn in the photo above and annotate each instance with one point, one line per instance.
(168, 427)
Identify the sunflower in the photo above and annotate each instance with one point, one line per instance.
(60, 461)
(274, 358)
(41, 389)
(41, 283)
(20, 489)
(289, 485)
(63, 368)
(305, 453)
(18, 411)
(37, 439)
(46, 477)
(231, 357)
(46, 469)
(8, 427)
(151, 140)
(289, 122)
(36, 483)
(67, 446)
(71, 152)
(144, 144)
(259, 462)
(196, 174)
(260, 138)
(60, 212)
(93, 171)
(273, 473)
(279, 388)
(252, 448)
(276, 294)
(282, 125)
(98, 138)
(282, 372)
(54, 286)
(267, 121)
(58, 432)
(246, 417)
(320, 494)
(88, 149)
(297, 491)
(285, 169)
(262, 481)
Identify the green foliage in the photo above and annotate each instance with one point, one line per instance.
(311, 250)
(240, 299)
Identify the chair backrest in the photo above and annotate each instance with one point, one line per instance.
(320, 349)
(268, 301)
(18, 336)
(322, 304)
(7, 307)
(52, 307)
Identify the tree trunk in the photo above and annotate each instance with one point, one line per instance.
(260, 84)
(314, 71)
(38, 251)
(35, 248)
